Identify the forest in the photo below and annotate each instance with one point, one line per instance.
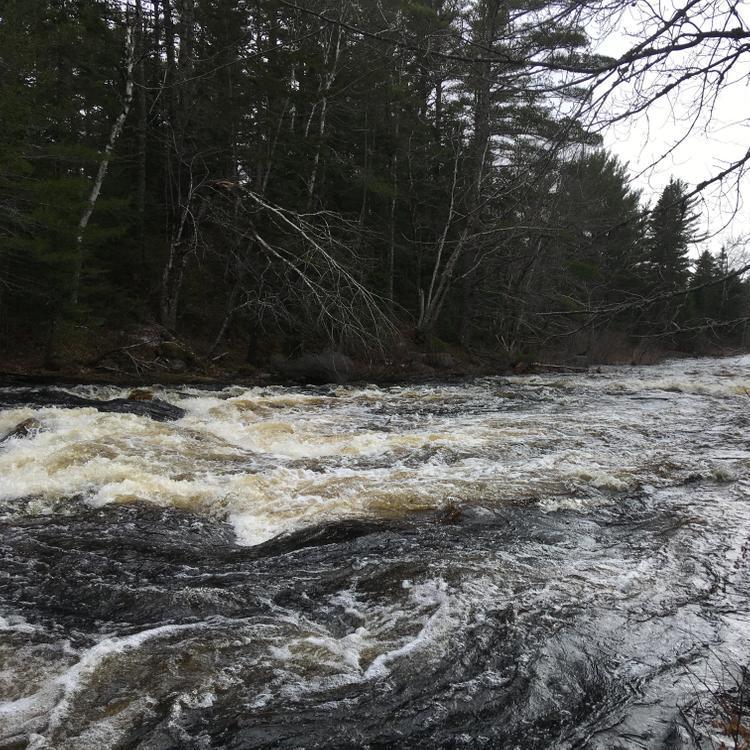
(236, 182)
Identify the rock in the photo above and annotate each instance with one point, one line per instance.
(324, 367)
(160, 411)
(141, 394)
(450, 513)
(22, 429)
(156, 409)
(177, 353)
(420, 370)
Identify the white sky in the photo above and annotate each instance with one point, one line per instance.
(704, 152)
(717, 139)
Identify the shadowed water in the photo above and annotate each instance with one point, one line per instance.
(526, 562)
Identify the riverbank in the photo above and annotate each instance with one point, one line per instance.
(150, 354)
(30, 375)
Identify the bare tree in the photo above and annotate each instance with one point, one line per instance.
(689, 56)
(290, 260)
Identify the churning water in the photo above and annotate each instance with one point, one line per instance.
(537, 562)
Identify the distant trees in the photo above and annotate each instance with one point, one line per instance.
(292, 174)
(718, 304)
(672, 226)
(62, 78)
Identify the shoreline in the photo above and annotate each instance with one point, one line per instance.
(376, 376)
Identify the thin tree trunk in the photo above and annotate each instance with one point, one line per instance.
(478, 159)
(142, 134)
(174, 271)
(228, 315)
(101, 173)
(365, 179)
(169, 78)
(428, 303)
(179, 248)
(394, 201)
(272, 148)
(392, 241)
(327, 84)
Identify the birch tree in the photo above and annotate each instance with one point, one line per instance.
(131, 21)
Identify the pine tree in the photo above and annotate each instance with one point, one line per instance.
(672, 229)
(706, 298)
(600, 229)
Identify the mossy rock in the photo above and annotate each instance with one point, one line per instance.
(178, 352)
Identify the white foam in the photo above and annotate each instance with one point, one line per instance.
(46, 711)
(436, 627)
(271, 460)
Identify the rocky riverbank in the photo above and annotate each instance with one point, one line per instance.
(151, 354)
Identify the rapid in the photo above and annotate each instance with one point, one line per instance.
(547, 561)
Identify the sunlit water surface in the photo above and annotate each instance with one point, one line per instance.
(533, 562)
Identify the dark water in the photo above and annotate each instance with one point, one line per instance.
(579, 578)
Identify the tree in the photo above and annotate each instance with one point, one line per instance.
(296, 173)
(55, 117)
(601, 225)
(706, 295)
(513, 128)
(688, 55)
(672, 229)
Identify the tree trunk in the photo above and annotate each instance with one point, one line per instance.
(228, 315)
(183, 184)
(479, 157)
(140, 199)
(174, 271)
(325, 88)
(101, 173)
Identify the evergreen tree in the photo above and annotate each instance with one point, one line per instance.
(672, 229)
(601, 229)
(706, 297)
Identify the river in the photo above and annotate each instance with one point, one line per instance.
(550, 561)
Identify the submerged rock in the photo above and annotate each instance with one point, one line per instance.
(161, 411)
(22, 429)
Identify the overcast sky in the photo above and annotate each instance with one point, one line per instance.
(716, 140)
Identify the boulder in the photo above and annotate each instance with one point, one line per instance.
(174, 351)
(22, 429)
(155, 409)
(177, 366)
